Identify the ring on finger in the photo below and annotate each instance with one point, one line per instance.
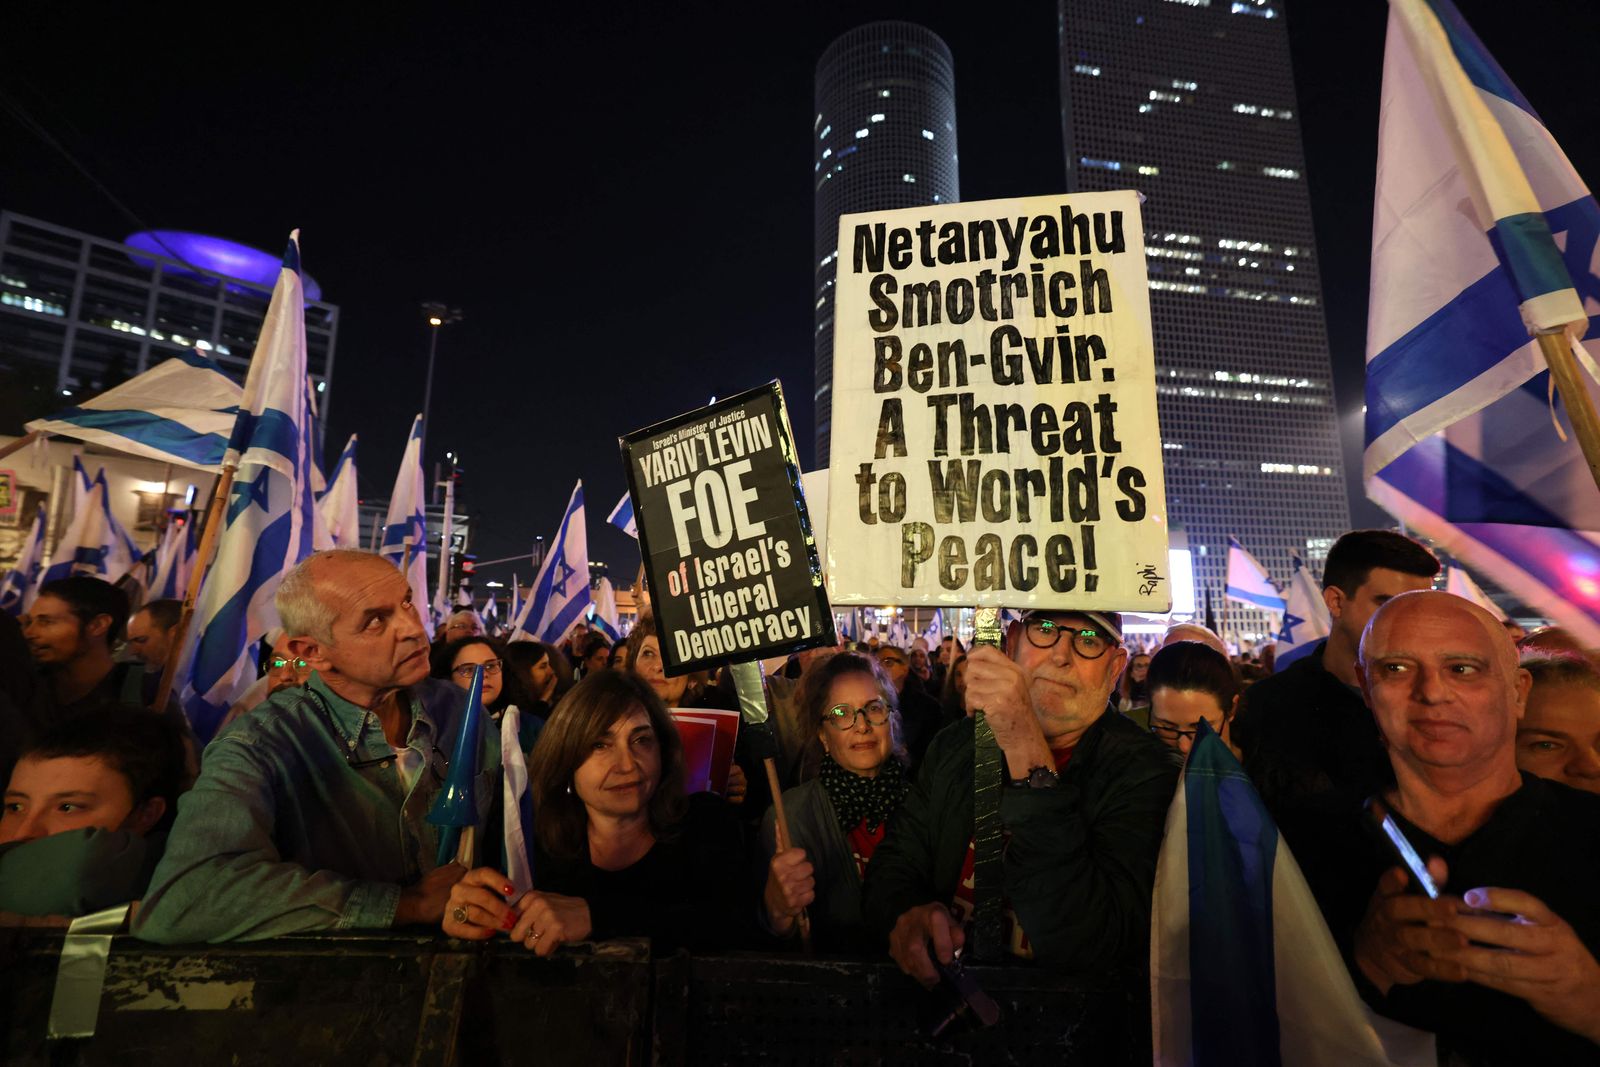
(460, 914)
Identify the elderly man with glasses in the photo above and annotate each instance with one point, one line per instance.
(309, 813)
(1083, 796)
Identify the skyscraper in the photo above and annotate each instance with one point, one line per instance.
(1192, 103)
(884, 137)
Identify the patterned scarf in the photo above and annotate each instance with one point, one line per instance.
(856, 797)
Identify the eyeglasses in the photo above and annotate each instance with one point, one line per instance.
(842, 717)
(464, 672)
(1087, 642)
(279, 663)
(1170, 732)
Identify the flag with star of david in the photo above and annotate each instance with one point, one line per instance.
(560, 595)
(1305, 619)
(269, 517)
(1483, 236)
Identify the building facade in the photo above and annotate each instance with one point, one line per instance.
(79, 314)
(1192, 103)
(884, 137)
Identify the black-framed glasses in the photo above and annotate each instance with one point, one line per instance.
(280, 662)
(464, 672)
(1171, 732)
(842, 717)
(1087, 641)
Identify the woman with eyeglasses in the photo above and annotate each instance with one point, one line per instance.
(502, 689)
(620, 850)
(1189, 681)
(837, 819)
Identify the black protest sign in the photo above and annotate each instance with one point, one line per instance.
(733, 567)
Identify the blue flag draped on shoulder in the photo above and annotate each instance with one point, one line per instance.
(21, 583)
(405, 530)
(622, 517)
(269, 517)
(340, 505)
(1248, 582)
(1483, 235)
(560, 595)
(1242, 968)
(1305, 618)
(179, 411)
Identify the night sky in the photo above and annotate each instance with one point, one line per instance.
(618, 198)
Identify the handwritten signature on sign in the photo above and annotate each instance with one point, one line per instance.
(1149, 579)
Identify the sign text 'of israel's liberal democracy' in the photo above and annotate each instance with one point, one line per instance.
(733, 567)
(994, 414)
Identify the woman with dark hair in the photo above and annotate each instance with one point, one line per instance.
(619, 850)
(953, 693)
(1189, 681)
(502, 688)
(837, 819)
(537, 668)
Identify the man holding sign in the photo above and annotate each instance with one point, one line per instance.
(1083, 804)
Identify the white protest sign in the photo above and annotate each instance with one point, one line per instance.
(995, 440)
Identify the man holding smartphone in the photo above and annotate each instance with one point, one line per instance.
(1502, 965)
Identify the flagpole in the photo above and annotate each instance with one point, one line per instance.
(202, 563)
(20, 443)
(1557, 351)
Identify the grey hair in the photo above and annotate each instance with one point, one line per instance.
(300, 607)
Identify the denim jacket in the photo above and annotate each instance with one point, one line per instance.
(301, 821)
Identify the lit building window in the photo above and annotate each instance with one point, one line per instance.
(1147, 169)
(1145, 108)
(826, 152)
(825, 131)
(927, 135)
(1085, 68)
(860, 134)
(1280, 172)
(876, 118)
(1252, 9)
(912, 178)
(1101, 164)
(883, 93)
(1179, 84)
(1171, 98)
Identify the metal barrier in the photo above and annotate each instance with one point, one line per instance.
(390, 999)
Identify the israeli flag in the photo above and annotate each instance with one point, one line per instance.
(605, 617)
(518, 803)
(174, 562)
(405, 531)
(270, 516)
(122, 552)
(934, 633)
(179, 411)
(340, 505)
(94, 542)
(560, 595)
(21, 583)
(847, 624)
(490, 616)
(622, 517)
(1460, 583)
(1242, 967)
(1305, 618)
(1483, 235)
(1248, 582)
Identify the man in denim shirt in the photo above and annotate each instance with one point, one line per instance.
(309, 811)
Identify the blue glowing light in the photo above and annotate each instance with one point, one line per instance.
(215, 254)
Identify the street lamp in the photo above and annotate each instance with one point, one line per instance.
(438, 316)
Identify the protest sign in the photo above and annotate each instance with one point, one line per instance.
(708, 737)
(734, 568)
(995, 440)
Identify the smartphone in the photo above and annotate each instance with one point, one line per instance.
(1384, 820)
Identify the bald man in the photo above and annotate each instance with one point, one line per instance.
(310, 811)
(1441, 677)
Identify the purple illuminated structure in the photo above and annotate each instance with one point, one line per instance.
(214, 254)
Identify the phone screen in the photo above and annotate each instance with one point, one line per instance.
(1408, 855)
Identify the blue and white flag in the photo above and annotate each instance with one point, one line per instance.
(604, 617)
(21, 583)
(93, 543)
(179, 411)
(847, 624)
(405, 531)
(1460, 583)
(490, 616)
(518, 806)
(1483, 235)
(560, 595)
(174, 562)
(1305, 618)
(622, 517)
(1248, 582)
(934, 633)
(1242, 966)
(514, 612)
(340, 505)
(270, 516)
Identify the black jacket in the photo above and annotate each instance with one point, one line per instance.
(1080, 861)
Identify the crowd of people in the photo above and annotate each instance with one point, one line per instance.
(307, 812)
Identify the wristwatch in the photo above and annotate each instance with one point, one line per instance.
(1038, 778)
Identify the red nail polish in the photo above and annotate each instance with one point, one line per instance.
(509, 921)
(507, 890)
